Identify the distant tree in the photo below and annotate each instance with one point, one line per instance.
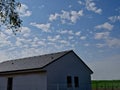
(9, 16)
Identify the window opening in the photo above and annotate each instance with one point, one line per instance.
(9, 83)
(69, 81)
(76, 82)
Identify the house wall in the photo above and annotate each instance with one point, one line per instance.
(3, 83)
(69, 65)
(29, 81)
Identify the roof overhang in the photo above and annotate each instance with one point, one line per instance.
(20, 72)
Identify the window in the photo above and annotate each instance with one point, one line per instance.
(9, 83)
(76, 82)
(69, 81)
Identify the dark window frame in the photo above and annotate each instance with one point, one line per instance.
(69, 81)
(76, 82)
(9, 83)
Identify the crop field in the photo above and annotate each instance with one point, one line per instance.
(106, 85)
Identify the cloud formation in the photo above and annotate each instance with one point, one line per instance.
(66, 16)
(43, 27)
(106, 26)
(108, 41)
(102, 35)
(113, 42)
(114, 18)
(91, 6)
(83, 37)
(24, 10)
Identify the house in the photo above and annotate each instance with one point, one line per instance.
(56, 71)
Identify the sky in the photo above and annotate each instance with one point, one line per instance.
(89, 27)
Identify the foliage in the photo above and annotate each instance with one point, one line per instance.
(9, 16)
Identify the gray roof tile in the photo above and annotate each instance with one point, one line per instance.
(30, 62)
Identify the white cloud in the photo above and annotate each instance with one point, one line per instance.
(65, 16)
(18, 42)
(3, 56)
(80, 2)
(32, 51)
(53, 17)
(91, 6)
(21, 41)
(70, 37)
(105, 25)
(5, 43)
(86, 44)
(3, 35)
(70, 32)
(63, 31)
(36, 39)
(43, 27)
(9, 41)
(114, 18)
(25, 31)
(63, 42)
(37, 42)
(83, 37)
(59, 42)
(24, 44)
(75, 15)
(4, 40)
(23, 10)
(70, 6)
(41, 43)
(100, 45)
(78, 33)
(102, 35)
(27, 52)
(57, 36)
(108, 41)
(112, 42)
(53, 39)
(9, 32)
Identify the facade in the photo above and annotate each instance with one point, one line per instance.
(56, 71)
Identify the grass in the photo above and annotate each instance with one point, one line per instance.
(106, 84)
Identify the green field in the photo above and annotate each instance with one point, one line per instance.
(106, 84)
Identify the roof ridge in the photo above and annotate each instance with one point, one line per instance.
(36, 56)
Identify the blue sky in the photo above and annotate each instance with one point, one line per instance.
(89, 27)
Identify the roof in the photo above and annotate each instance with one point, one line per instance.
(30, 62)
